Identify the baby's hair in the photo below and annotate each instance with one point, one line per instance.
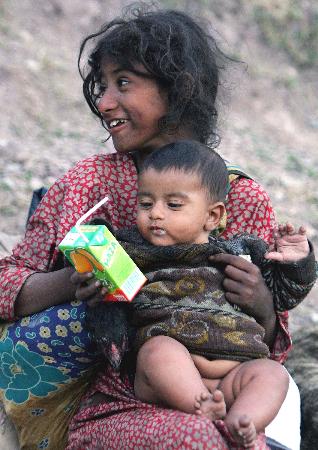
(191, 157)
(178, 54)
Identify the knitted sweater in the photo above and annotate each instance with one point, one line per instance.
(184, 298)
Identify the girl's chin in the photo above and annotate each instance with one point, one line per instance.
(122, 150)
(121, 146)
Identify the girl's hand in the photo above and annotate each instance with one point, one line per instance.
(245, 287)
(88, 288)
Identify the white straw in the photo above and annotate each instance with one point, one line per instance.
(88, 213)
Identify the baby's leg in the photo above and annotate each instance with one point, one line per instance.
(166, 374)
(254, 392)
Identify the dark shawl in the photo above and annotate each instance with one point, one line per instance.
(184, 298)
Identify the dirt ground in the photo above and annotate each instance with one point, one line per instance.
(268, 108)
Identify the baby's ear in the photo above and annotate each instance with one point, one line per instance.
(215, 214)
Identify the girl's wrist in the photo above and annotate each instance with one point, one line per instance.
(270, 325)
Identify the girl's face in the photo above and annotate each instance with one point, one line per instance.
(131, 104)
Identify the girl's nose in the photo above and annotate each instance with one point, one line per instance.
(108, 101)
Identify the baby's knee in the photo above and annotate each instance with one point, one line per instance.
(267, 369)
(273, 369)
(280, 374)
(158, 350)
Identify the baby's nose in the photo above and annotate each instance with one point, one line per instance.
(157, 212)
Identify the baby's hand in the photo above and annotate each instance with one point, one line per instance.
(289, 245)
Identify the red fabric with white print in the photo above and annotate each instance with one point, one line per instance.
(126, 423)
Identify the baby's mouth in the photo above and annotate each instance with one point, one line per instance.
(157, 231)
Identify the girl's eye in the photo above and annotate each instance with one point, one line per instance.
(122, 82)
(100, 90)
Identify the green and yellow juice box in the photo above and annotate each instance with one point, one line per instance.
(93, 248)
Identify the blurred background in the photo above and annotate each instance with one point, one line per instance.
(268, 105)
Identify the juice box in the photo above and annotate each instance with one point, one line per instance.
(93, 248)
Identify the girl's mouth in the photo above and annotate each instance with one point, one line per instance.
(115, 124)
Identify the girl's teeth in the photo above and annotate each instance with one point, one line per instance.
(115, 122)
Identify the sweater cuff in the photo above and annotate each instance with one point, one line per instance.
(303, 271)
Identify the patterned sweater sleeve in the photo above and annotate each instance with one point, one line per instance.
(250, 210)
(35, 253)
(290, 283)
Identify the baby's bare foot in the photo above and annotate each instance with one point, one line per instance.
(210, 405)
(243, 430)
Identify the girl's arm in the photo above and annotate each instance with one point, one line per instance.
(27, 281)
(244, 286)
(42, 290)
(33, 277)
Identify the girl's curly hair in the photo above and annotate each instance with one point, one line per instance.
(176, 51)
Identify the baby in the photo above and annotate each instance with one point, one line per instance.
(196, 351)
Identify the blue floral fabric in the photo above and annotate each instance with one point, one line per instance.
(40, 352)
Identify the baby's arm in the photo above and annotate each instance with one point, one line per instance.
(295, 274)
(289, 245)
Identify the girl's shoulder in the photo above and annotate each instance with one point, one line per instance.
(249, 210)
(101, 164)
(243, 186)
(248, 189)
(103, 160)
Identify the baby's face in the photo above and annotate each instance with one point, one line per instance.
(173, 208)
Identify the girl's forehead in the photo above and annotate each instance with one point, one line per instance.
(110, 67)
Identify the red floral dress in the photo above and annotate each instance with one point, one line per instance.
(122, 422)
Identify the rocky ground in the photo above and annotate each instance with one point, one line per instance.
(268, 106)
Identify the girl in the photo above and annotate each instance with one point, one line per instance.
(152, 78)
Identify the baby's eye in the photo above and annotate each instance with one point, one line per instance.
(175, 205)
(144, 205)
